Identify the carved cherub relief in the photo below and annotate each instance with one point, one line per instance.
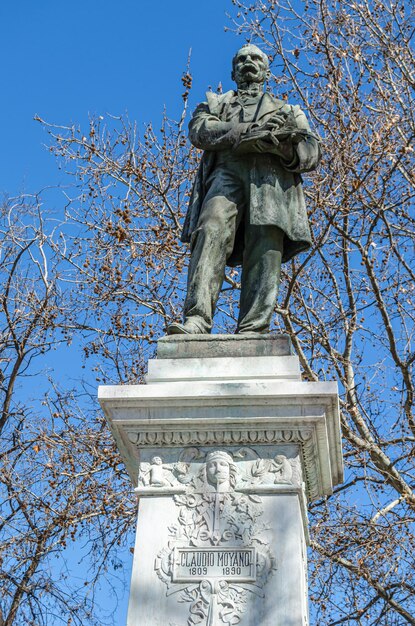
(155, 474)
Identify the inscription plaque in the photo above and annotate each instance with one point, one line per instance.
(231, 564)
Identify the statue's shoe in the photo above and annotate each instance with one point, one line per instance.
(189, 327)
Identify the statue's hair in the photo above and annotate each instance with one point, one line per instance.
(250, 45)
(219, 454)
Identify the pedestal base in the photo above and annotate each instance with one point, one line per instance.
(224, 443)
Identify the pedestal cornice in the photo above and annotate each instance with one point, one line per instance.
(228, 413)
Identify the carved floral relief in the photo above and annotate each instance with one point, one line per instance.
(218, 555)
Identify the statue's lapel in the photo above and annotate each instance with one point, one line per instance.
(268, 106)
(217, 101)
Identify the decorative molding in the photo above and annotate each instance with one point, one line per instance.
(218, 436)
(311, 469)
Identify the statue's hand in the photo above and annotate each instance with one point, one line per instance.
(286, 149)
(273, 124)
(237, 133)
(289, 135)
(254, 140)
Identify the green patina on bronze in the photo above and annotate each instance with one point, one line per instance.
(247, 205)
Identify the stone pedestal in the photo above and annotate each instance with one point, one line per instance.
(224, 445)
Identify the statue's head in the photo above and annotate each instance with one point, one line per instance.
(220, 469)
(250, 65)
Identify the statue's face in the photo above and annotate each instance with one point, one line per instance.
(250, 66)
(217, 471)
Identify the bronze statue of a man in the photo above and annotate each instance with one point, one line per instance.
(247, 205)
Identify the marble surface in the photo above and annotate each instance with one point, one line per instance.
(223, 453)
(224, 368)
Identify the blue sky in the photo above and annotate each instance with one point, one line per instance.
(66, 60)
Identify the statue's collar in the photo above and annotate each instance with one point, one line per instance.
(252, 91)
(217, 101)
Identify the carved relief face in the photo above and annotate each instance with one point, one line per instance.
(217, 472)
(250, 65)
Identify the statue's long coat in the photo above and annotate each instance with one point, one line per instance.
(276, 193)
